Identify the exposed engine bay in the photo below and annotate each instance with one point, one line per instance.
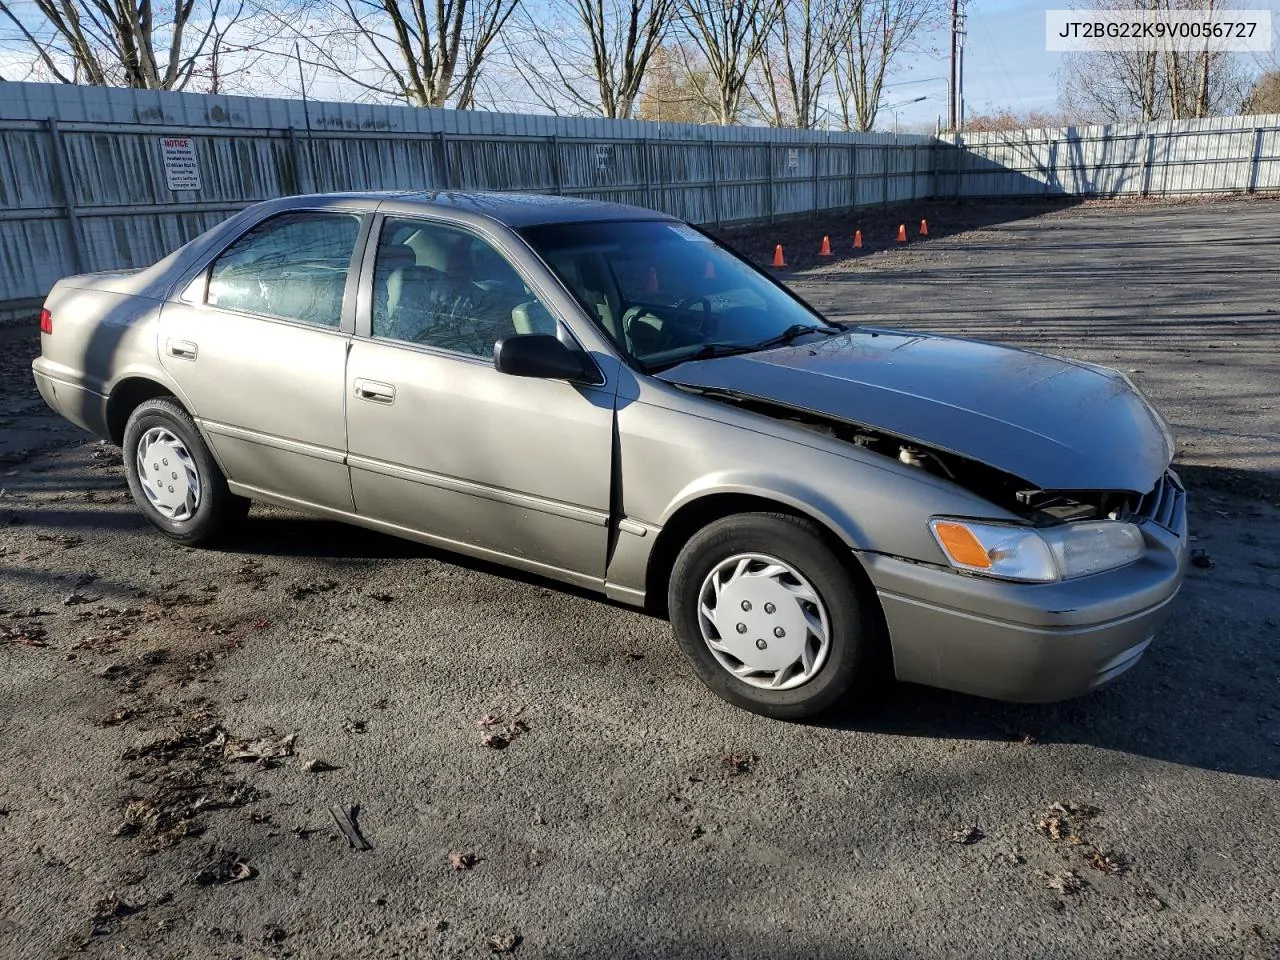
(1037, 506)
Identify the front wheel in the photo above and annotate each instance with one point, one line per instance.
(174, 478)
(771, 618)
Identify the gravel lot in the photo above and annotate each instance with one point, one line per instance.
(152, 805)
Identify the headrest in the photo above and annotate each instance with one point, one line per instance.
(396, 256)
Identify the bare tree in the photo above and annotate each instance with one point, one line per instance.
(1154, 84)
(800, 57)
(594, 54)
(729, 36)
(1265, 95)
(879, 32)
(127, 43)
(428, 53)
(675, 88)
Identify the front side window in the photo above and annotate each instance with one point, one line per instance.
(665, 293)
(440, 286)
(293, 266)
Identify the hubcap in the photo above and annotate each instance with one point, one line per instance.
(168, 475)
(764, 622)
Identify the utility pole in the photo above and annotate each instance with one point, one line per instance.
(955, 22)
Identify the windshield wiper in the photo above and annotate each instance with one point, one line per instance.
(793, 332)
(707, 351)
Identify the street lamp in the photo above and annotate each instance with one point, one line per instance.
(894, 107)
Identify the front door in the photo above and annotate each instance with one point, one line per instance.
(443, 444)
(258, 349)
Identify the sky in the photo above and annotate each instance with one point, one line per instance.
(1006, 67)
(1006, 64)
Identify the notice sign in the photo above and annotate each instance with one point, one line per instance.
(181, 168)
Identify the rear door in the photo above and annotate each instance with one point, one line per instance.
(258, 345)
(442, 443)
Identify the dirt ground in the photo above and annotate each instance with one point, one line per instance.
(536, 771)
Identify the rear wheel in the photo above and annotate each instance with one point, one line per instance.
(770, 617)
(174, 478)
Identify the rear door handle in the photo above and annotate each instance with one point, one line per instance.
(183, 349)
(374, 391)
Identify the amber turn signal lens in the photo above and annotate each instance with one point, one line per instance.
(961, 545)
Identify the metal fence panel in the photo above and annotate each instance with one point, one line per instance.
(1166, 158)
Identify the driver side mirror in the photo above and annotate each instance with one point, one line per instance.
(543, 356)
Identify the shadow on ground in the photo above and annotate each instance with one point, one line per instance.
(1207, 694)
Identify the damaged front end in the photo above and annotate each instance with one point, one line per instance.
(1036, 505)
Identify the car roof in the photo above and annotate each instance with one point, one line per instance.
(511, 209)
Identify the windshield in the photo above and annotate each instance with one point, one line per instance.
(665, 293)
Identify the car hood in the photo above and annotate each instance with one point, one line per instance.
(1058, 424)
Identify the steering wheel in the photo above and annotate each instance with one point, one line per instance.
(673, 327)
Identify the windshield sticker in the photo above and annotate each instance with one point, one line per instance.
(688, 233)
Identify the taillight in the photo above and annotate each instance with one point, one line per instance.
(46, 321)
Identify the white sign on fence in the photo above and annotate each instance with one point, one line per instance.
(793, 158)
(181, 166)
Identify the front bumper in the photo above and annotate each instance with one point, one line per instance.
(1028, 642)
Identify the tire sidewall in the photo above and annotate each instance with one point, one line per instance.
(797, 544)
(166, 414)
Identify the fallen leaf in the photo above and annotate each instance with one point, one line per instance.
(1053, 826)
(1065, 882)
(318, 766)
(738, 763)
(263, 750)
(504, 942)
(967, 836)
(1112, 864)
(462, 861)
(225, 869)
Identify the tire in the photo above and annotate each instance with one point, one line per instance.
(824, 675)
(210, 511)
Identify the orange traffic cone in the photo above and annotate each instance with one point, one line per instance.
(826, 247)
(653, 279)
(710, 272)
(857, 239)
(902, 233)
(777, 257)
(924, 228)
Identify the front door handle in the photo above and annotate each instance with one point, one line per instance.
(182, 349)
(374, 391)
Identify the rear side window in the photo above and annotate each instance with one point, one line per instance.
(293, 266)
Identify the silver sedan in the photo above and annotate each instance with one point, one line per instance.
(610, 397)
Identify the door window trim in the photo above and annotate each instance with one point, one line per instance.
(363, 329)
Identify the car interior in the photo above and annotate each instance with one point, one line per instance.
(440, 286)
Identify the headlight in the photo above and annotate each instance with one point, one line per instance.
(1037, 555)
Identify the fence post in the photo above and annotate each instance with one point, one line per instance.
(553, 142)
(715, 184)
(884, 174)
(1256, 164)
(444, 160)
(853, 173)
(957, 151)
(1147, 159)
(68, 195)
(768, 167)
(644, 173)
(300, 184)
(816, 199)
